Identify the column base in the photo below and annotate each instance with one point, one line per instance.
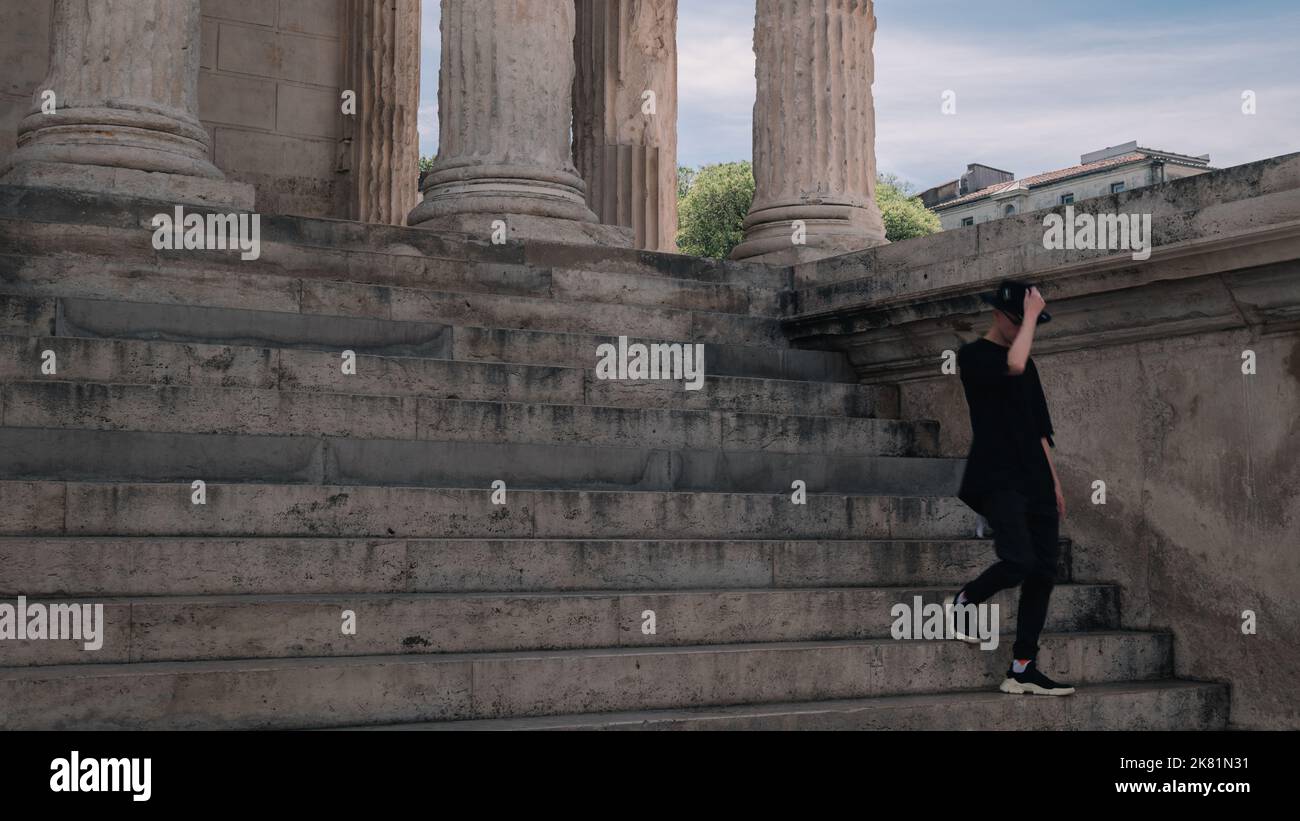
(130, 182)
(773, 244)
(530, 227)
(830, 229)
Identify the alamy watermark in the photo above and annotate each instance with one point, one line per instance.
(77, 774)
(1113, 232)
(208, 232)
(56, 622)
(969, 622)
(675, 360)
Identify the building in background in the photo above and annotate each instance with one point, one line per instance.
(985, 193)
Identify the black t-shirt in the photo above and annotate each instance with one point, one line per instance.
(1008, 419)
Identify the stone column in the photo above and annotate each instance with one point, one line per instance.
(626, 152)
(125, 76)
(505, 110)
(381, 42)
(814, 131)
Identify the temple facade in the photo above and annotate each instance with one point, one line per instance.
(558, 117)
(391, 412)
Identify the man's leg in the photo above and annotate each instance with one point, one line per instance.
(1036, 589)
(1006, 511)
(1035, 592)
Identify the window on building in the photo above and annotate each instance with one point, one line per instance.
(1009, 210)
(1116, 187)
(1067, 199)
(967, 221)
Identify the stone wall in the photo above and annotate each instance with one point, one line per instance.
(1142, 366)
(269, 96)
(268, 93)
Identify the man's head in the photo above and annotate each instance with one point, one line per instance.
(1005, 325)
(1008, 303)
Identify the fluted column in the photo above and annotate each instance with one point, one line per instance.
(625, 140)
(505, 112)
(381, 42)
(125, 75)
(814, 131)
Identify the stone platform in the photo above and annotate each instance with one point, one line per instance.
(329, 492)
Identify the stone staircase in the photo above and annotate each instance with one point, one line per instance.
(371, 492)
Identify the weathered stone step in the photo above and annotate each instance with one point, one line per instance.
(261, 411)
(110, 319)
(316, 692)
(40, 244)
(579, 351)
(154, 509)
(171, 363)
(656, 263)
(114, 278)
(621, 288)
(67, 221)
(1162, 705)
(70, 454)
(101, 566)
(162, 628)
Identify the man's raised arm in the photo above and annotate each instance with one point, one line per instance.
(1018, 355)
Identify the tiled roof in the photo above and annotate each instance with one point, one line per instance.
(1042, 179)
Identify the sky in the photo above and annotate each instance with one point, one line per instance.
(1036, 84)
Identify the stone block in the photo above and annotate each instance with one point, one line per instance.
(307, 111)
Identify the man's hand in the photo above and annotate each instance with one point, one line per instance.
(1034, 303)
(1018, 354)
(1060, 501)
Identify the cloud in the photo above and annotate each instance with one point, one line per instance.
(1037, 84)
(1028, 105)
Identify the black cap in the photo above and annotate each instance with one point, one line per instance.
(1009, 298)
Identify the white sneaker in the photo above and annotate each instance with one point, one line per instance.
(1032, 681)
(950, 615)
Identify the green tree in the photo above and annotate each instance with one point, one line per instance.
(711, 212)
(426, 163)
(905, 217)
(713, 202)
(685, 176)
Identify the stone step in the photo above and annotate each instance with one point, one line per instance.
(160, 628)
(39, 244)
(1161, 705)
(28, 316)
(323, 692)
(658, 264)
(64, 454)
(265, 411)
(109, 319)
(620, 288)
(579, 351)
(34, 245)
(66, 221)
(99, 566)
(269, 510)
(114, 278)
(170, 363)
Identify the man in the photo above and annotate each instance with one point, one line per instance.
(1010, 479)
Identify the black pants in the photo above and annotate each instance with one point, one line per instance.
(1026, 531)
